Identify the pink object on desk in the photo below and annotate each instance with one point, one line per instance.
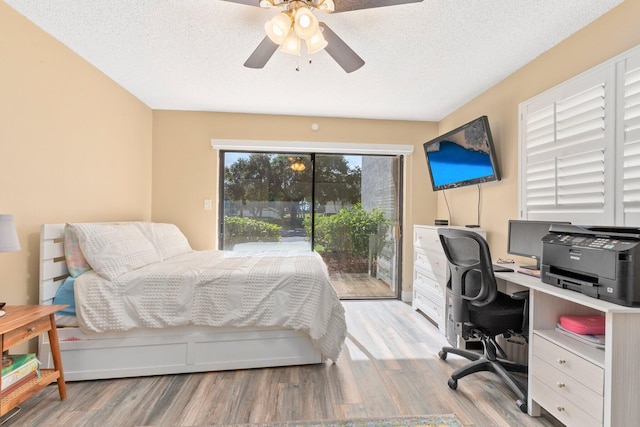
(585, 325)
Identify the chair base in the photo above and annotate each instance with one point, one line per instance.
(488, 362)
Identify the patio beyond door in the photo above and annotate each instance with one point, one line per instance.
(345, 207)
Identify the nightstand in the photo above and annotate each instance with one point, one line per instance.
(22, 323)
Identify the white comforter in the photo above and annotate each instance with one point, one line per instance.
(217, 288)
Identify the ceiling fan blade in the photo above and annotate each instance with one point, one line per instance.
(347, 5)
(339, 51)
(262, 54)
(247, 2)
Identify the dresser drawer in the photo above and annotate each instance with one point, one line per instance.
(569, 363)
(433, 308)
(433, 264)
(426, 238)
(26, 332)
(568, 388)
(563, 409)
(423, 280)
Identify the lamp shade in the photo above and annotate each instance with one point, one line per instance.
(327, 6)
(291, 44)
(8, 236)
(306, 23)
(278, 27)
(316, 43)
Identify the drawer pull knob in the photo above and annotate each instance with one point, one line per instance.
(560, 384)
(561, 361)
(560, 408)
(31, 329)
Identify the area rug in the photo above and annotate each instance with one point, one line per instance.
(414, 421)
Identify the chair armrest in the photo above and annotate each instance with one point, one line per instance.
(520, 295)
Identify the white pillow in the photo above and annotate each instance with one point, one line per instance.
(114, 249)
(167, 238)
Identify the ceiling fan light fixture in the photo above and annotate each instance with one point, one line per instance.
(297, 164)
(327, 6)
(266, 3)
(316, 43)
(291, 44)
(305, 23)
(278, 27)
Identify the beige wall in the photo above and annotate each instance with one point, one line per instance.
(74, 146)
(612, 34)
(185, 167)
(58, 111)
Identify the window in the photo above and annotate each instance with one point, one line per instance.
(580, 147)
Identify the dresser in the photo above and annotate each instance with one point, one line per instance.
(430, 273)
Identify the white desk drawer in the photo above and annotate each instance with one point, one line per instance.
(426, 238)
(563, 409)
(569, 388)
(433, 264)
(569, 363)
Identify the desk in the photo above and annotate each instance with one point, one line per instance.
(579, 384)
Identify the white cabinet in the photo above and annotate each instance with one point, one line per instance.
(579, 384)
(567, 383)
(430, 273)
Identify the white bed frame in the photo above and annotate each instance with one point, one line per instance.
(143, 352)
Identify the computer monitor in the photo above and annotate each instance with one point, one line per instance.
(525, 239)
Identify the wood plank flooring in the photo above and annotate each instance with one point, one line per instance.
(388, 367)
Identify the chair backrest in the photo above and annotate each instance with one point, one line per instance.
(472, 280)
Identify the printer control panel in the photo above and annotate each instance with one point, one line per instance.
(594, 242)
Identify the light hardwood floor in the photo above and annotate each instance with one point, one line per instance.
(388, 367)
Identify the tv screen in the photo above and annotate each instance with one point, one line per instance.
(464, 156)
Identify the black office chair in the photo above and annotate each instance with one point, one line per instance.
(480, 311)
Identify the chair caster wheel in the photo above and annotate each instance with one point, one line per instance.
(443, 355)
(522, 405)
(453, 384)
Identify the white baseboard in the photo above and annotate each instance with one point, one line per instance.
(407, 296)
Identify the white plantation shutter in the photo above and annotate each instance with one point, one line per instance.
(580, 147)
(630, 136)
(563, 153)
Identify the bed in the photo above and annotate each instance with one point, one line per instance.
(273, 309)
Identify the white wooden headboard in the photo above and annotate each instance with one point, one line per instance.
(53, 267)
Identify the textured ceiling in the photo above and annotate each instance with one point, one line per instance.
(423, 60)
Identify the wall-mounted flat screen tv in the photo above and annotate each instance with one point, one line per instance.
(464, 156)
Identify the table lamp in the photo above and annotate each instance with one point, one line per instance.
(8, 239)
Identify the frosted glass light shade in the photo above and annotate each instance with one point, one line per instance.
(305, 24)
(291, 44)
(278, 27)
(327, 6)
(316, 43)
(8, 236)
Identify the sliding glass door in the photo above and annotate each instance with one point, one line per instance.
(345, 207)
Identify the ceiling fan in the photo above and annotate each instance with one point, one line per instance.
(296, 24)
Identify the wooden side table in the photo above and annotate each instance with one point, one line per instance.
(22, 323)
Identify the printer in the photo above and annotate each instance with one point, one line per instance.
(602, 262)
